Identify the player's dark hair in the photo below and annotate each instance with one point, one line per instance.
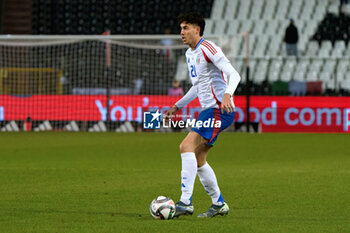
(193, 18)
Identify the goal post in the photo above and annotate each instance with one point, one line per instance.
(66, 82)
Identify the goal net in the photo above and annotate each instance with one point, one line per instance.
(89, 83)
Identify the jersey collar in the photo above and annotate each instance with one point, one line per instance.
(199, 42)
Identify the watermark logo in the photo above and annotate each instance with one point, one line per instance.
(207, 124)
(152, 120)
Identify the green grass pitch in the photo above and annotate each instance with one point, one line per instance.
(104, 182)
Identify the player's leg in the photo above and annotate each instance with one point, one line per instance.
(191, 142)
(208, 179)
(206, 174)
(188, 172)
(201, 154)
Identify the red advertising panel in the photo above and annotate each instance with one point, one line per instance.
(298, 114)
(275, 113)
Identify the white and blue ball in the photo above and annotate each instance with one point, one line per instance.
(162, 208)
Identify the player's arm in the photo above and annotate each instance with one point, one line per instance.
(233, 80)
(186, 99)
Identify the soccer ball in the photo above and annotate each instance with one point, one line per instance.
(162, 208)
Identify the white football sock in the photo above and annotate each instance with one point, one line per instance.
(188, 176)
(208, 179)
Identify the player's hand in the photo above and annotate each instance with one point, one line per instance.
(170, 113)
(226, 105)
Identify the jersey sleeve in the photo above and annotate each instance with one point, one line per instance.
(186, 99)
(214, 54)
(233, 78)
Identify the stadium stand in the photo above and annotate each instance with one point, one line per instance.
(324, 56)
(119, 16)
(324, 32)
(77, 66)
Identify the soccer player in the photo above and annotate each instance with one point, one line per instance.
(206, 65)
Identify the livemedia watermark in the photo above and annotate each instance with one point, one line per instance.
(154, 120)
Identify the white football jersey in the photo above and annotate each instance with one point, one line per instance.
(205, 64)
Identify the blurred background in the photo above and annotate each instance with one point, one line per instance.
(294, 48)
(323, 28)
